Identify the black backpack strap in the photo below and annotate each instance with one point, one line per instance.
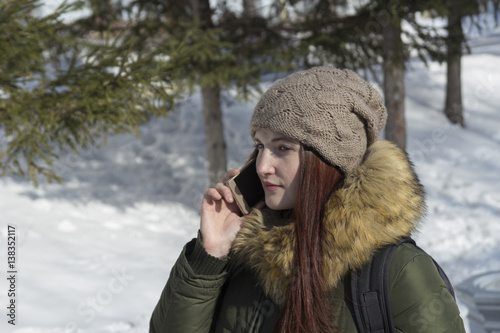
(370, 304)
(370, 292)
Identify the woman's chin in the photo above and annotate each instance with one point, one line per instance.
(272, 204)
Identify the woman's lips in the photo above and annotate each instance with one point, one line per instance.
(270, 186)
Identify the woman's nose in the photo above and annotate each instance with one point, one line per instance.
(264, 163)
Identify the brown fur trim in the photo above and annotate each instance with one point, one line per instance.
(380, 202)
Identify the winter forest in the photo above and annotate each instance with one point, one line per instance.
(115, 116)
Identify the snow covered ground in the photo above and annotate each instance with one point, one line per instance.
(94, 253)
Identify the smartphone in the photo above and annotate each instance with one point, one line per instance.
(246, 187)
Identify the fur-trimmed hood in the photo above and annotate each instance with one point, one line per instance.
(380, 202)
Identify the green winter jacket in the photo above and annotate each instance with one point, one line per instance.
(379, 203)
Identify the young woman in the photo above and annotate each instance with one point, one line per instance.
(334, 195)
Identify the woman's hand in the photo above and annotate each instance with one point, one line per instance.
(220, 218)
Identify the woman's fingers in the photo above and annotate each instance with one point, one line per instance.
(224, 191)
(222, 188)
(229, 174)
(212, 194)
(219, 224)
(221, 191)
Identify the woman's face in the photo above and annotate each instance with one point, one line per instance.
(278, 165)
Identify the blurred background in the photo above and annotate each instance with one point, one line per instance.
(115, 116)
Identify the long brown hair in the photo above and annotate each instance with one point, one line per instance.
(307, 308)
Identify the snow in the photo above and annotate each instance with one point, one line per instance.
(94, 253)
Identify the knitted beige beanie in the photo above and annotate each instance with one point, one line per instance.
(333, 111)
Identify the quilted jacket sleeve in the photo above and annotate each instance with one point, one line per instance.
(420, 300)
(188, 301)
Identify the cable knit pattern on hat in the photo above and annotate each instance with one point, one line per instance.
(333, 111)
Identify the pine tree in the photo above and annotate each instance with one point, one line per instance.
(366, 37)
(456, 11)
(394, 87)
(453, 106)
(212, 113)
(234, 50)
(59, 91)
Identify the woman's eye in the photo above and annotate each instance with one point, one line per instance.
(284, 148)
(258, 146)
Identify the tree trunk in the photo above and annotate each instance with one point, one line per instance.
(453, 108)
(394, 88)
(212, 114)
(214, 133)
